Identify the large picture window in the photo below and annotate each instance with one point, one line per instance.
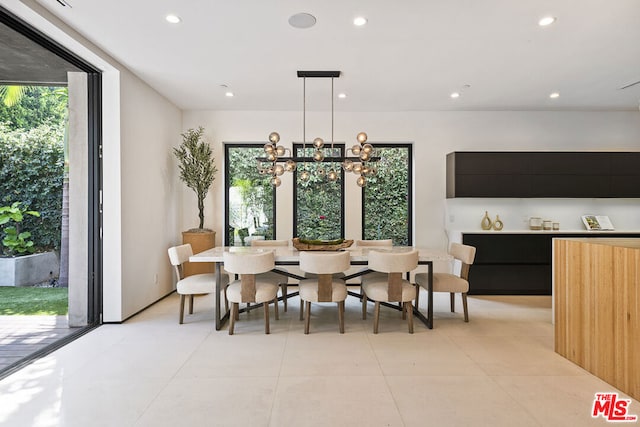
(249, 197)
(318, 202)
(386, 199)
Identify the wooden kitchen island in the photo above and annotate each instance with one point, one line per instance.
(596, 291)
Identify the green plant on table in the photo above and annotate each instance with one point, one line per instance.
(15, 241)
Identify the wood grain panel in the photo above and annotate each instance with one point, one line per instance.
(597, 303)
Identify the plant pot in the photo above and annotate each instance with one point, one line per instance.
(29, 270)
(199, 241)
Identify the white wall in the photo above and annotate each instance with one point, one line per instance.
(150, 202)
(434, 134)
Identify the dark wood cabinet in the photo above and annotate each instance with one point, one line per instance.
(543, 174)
(516, 263)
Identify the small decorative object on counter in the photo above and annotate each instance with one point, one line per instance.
(556, 226)
(486, 221)
(547, 224)
(535, 223)
(498, 224)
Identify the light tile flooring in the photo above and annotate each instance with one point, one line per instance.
(498, 370)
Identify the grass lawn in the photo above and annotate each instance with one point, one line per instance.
(26, 301)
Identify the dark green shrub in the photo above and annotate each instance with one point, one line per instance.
(31, 172)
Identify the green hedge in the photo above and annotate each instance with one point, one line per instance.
(31, 171)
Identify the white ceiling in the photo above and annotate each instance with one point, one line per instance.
(410, 56)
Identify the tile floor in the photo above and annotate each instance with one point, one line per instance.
(498, 370)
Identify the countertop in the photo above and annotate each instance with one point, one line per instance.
(527, 231)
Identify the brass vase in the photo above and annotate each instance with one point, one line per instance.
(486, 221)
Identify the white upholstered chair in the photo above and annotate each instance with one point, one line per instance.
(278, 279)
(376, 243)
(191, 285)
(449, 282)
(325, 287)
(384, 243)
(390, 287)
(250, 288)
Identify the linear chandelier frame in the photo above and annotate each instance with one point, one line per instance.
(362, 162)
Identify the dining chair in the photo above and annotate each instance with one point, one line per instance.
(325, 287)
(450, 282)
(379, 242)
(390, 287)
(279, 279)
(250, 287)
(191, 285)
(386, 243)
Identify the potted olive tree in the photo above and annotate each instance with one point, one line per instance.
(197, 171)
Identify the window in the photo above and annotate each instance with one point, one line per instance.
(318, 202)
(386, 199)
(249, 197)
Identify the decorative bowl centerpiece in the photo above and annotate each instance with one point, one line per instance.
(320, 245)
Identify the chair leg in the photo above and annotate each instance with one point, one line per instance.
(248, 307)
(226, 301)
(266, 316)
(464, 307)
(232, 317)
(404, 310)
(409, 309)
(452, 297)
(284, 296)
(364, 306)
(307, 316)
(275, 303)
(191, 304)
(341, 316)
(180, 319)
(376, 317)
(301, 309)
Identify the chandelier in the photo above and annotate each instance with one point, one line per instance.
(279, 159)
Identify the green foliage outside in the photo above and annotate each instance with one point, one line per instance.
(33, 106)
(31, 172)
(318, 200)
(32, 301)
(386, 197)
(16, 240)
(255, 209)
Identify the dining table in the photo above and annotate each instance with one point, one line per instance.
(291, 256)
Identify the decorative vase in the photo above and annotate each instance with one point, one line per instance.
(199, 241)
(498, 224)
(486, 221)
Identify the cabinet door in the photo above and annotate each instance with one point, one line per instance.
(510, 248)
(512, 279)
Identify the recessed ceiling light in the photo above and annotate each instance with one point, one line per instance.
(554, 95)
(359, 21)
(547, 20)
(173, 19)
(228, 94)
(302, 20)
(342, 95)
(455, 95)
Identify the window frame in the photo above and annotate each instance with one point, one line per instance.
(410, 202)
(298, 145)
(227, 178)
